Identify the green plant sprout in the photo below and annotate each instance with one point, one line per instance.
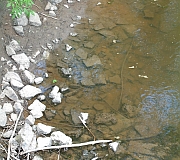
(19, 7)
(54, 81)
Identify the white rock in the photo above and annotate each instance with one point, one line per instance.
(4, 84)
(10, 93)
(41, 97)
(54, 92)
(27, 136)
(84, 117)
(17, 107)
(10, 51)
(52, 13)
(30, 120)
(37, 157)
(33, 143)
(55, 1)
(44, 142)
(12, 75)
(15, 83)
(60, 138)
(7, 134)
(14, 117)
(37, 105)
(3, 118)
(29, 91)
(29, 76)
(22, 60)
(38, 80)
(7, 107)
(34, 20)
(48, 6)
(68, 47)
(43, 129)
(15, 45)
(57, 98)
(114, 146)
(36, 54)
(46, 54)
(36, 113)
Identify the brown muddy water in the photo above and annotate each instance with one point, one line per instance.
(132, 94)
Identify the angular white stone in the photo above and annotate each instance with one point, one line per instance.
(41, 97)
(54, 92)
(3, 118)
(7, 107)
(60, 138)
(34, 20)
(114, 146)
(36, 113)
(15, 45)
(17, 107)
(27, 136)
(37, 157)
(22, 20)
(37, 105)
(14, 117)
(10, 93)
(44, 142)
(30, 120)
(16, 84)
(7, 134)
(38, 80)
(29, 91)
(30, 76)
(10, 51)
(43, 129)
(22, 60)
(57, 98)
(12, 75)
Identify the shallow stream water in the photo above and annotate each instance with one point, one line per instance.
(137, 80)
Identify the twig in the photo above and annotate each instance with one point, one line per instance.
(68, 146)
(47, 16)
(87, 128)
(121, 74)
(9, 146)
(37, 6)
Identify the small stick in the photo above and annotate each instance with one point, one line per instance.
(87, 128)
(37, 6)
(47, 16)
(9, 146)
(68, 146)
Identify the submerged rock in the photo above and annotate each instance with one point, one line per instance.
(105, 118)
(94, 60)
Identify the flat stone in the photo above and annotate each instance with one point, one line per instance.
(75, 116)
(38, 80)
(57, 98)
(99, 79)
(34, 20)
(52, 13)
(7, 134)
(12, 75)
(49, 114)
(3, 118)
(89, 45)
(16, 84)
(36, 113)
(10, 51)
(54, 92)
(130, 110)
(19, 30)
(29, 92)
(148, 13)
(98, 107)
(87, 82)
(107, 33)
(115, 79)
(22, 60)
(94, 60)
(81, 53)
(121, 21)
(48, 6)
(105, 118)
(98, 27)
(130, 30)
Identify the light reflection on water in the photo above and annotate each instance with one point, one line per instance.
(162, 103)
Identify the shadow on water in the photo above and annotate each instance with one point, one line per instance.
(130, 49)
